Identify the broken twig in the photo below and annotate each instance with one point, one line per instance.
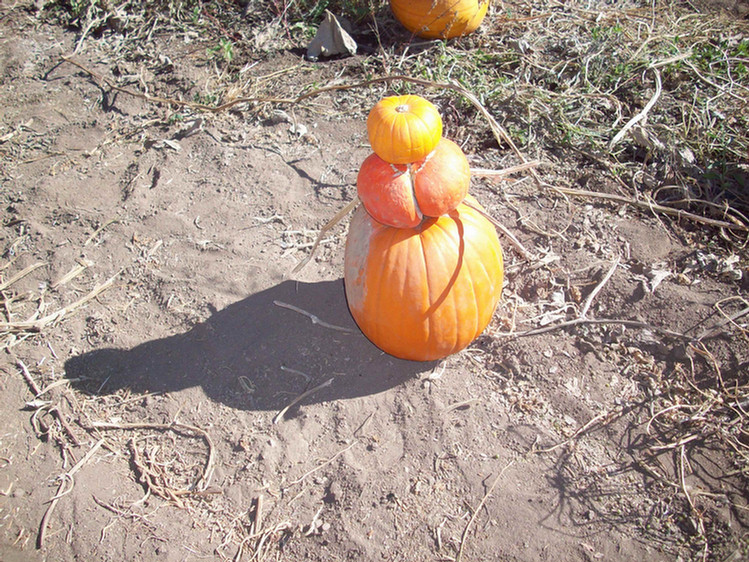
(205, 478)
(642, 114)
(477, 509)
(510, 236)
(594, 292)
(655, 207)
(65, 480)
(38, 325)
(313, 318)
(330, 224)
(20, 275)
(279, 416)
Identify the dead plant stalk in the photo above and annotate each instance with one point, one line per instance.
(65, 487)
(205, 478)
(477, 510)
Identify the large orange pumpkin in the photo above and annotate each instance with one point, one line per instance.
(404, 129)
(443, 19)
(402, 194)
(427, 292)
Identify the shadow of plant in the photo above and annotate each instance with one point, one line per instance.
(641, 492)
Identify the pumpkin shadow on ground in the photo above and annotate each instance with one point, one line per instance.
(251, 354)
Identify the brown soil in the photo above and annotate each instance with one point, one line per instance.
(199, 220)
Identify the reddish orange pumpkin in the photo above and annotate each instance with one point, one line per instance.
(443, 19)
(386, 190)
(401, 195)
(404, 129)
(427, 292)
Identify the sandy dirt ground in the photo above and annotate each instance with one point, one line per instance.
(158, 334)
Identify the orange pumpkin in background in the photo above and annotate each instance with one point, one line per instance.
(427, 292)
(443, 19)
(401, 195)
(404, 129)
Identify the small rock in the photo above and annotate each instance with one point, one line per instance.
(334, 493)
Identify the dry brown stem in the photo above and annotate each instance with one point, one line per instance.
(154, 481)
(700, 524)
(21, 274)
(257, 520)
(41, 323)
(640, 115)
(581, 321)
(728, 319)
(77, 269)
(205, 478)
(321, 465)
(313, 318)
(330, 224)
(601, 419)
(486, 173)
(54, 410)
(261, 539)
(597, 289)
(477, 509)
(511, 237)
(65, 487)
(121, 512)
(735, 225)
(706, 334)
(279, 416)
(96, 232)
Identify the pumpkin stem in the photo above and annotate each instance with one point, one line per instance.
(401, 108)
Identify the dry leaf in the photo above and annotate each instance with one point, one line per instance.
(331, 39)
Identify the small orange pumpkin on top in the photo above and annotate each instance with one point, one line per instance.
(404, 129)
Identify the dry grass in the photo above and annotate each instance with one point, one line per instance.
(654, 96)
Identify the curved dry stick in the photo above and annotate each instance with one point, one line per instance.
(37, 325)
(330, 224)
(478, 508)
(510, 236)
(642, 114)
(597, 289)
(279, 416)
(653, 207)
(62, 491)
(487, 173)
(579, 431)
(580, 321)
(315, 320)
(21, 274)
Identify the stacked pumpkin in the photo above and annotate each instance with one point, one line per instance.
(423, 267)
